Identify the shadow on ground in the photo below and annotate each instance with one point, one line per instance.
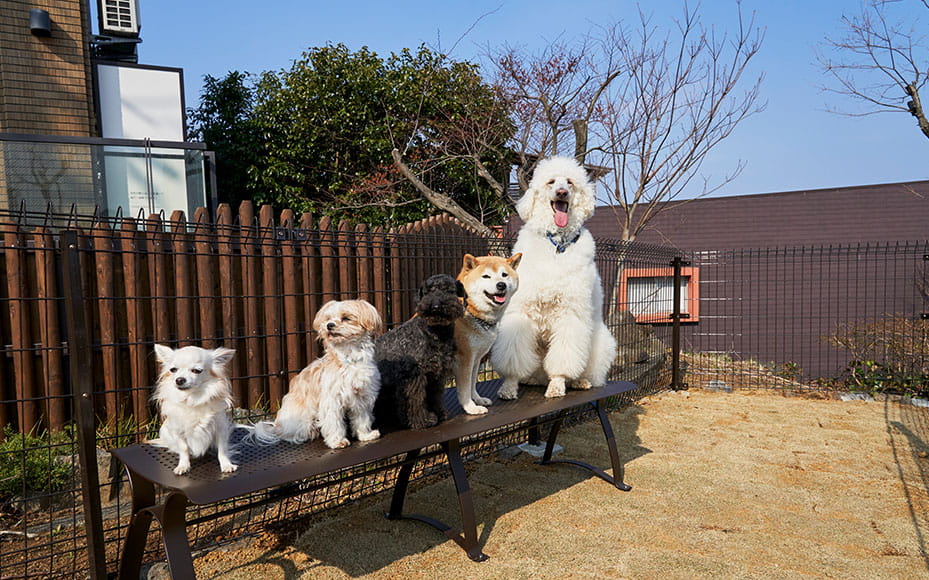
(908, 428)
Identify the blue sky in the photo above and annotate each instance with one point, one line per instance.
(795, 144)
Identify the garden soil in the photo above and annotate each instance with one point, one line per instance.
(725, 485)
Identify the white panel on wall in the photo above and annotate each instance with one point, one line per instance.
(140, 103)
(144, 103)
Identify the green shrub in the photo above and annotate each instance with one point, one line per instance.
(30, 464)
(888, 355)
(876, 377)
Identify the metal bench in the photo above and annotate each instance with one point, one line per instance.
(279, 466)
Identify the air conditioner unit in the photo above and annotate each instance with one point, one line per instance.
(119, 17)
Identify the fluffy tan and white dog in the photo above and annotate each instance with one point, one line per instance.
(343, 382)
(553, 331)
(489, 282)
(194, 398)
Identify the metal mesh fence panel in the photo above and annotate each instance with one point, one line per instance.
(845, 317)
(251, 281)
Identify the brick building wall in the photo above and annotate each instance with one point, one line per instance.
(45, 82)
(46, 89)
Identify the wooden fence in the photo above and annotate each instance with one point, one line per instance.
(251, 282)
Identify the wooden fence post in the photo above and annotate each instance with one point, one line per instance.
(292, 315)
(129, 242)
(50, 329)
(230, 293)
(184, 303)
(248, 240)
(24, 377)
(312, 281)
(206, 279)
(272, 304)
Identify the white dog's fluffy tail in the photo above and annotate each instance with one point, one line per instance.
(261, 433)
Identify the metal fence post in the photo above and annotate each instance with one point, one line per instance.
(677, 263)
(82, 389)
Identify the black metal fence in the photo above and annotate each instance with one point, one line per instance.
(86, 298)
(829, 317)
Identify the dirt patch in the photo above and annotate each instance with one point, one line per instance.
(736, 485)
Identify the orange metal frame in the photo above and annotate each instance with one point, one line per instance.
(690, 307)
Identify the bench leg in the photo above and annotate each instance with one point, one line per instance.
(171, 515)
(618, 469)
(403, 480)
(465, 503)
(467, 540)
(143, 497)
(617, 478)
(534, 434)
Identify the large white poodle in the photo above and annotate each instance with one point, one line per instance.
(553, 331)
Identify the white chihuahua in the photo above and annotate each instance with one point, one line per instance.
(194, 397)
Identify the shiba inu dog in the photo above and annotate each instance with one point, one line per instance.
(489, 282)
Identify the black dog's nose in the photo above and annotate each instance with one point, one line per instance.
(561, 193)
(501, 286)
(180, 381)
(330, 326)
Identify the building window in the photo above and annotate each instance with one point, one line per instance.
(649, 294)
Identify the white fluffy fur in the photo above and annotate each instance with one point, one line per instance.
(194, 397)
(345, 380)
(553, 331)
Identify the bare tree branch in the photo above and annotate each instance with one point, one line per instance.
(879, 62)
(676, 101)
(441, 201)
(647, 105)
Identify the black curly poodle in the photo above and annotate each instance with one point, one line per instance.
(417, 359)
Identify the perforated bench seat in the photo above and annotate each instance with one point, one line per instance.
(268, 467)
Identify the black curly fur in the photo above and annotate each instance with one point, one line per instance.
(417, 359)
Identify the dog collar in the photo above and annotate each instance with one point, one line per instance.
(481, 322)
(561, 247)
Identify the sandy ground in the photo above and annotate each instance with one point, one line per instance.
(738, 485)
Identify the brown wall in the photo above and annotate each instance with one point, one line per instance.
(841, 215)
(781, 272)
(45, 83)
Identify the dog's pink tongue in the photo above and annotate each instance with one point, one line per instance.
(499, 298)
(561, 218)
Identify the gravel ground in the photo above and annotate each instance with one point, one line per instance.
(725, 485)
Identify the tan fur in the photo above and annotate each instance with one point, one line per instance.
(343, 382)
(476, 331)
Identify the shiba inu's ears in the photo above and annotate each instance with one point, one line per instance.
(468, 263)
(513, 260)
(222, 356)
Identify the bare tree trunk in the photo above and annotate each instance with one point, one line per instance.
(441, 201)
(580, 139)
(915, 106)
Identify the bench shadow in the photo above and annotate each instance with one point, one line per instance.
(358, 540)
(909, 440)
